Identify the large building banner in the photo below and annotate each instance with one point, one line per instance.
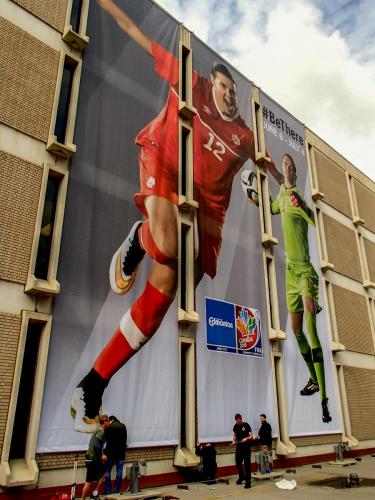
(114, 344)
(114, 297)
(230, 291)
(309, 378)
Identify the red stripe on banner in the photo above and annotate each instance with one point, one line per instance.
(114, 355)
(149, 310)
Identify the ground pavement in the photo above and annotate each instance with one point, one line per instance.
(266, 489)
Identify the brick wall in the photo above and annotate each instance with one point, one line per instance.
(360, 391)
(353, 320)
(366, 205)
(370, 256)
(10, 325)
(28, 70)
(20, 183)
(52, 12)
(48, 461)
(342, 248)
(332, 182)
(316, 440)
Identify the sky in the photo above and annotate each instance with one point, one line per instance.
(316, 58)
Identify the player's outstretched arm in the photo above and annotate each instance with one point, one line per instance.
(271, 167)
(298, 201)
(126, 24)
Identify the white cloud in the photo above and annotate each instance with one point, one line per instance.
(316, 63)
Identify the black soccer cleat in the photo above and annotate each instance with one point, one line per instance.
(326, 417)
(310, 388)
(86, 402)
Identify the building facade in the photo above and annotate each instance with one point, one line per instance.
(74, 94)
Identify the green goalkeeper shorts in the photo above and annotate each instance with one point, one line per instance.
(301, 282)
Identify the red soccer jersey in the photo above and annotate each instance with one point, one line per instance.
(221, 145)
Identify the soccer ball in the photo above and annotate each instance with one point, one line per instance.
(249, 185)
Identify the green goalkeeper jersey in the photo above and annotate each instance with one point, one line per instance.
(294, 224)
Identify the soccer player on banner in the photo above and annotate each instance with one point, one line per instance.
(223, 142)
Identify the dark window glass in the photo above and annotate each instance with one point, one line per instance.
(46, 232)
(183, 265)
(184, 62)
(269, 270)
(184, 354)
(184, 158)
(64, 101)
(75, 16)
(25, 392)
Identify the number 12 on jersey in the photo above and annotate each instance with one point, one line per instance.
(217, 148)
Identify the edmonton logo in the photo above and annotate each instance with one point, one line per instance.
(219, 322)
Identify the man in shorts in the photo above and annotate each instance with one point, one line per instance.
(95, 458)
(223, 142)
(302, 282)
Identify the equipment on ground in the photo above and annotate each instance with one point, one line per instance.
(133, 472)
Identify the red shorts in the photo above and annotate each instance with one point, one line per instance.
(156, 178)
(160, 179)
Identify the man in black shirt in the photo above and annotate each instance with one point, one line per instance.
(265, 438)
(242, 437)
(116, 437)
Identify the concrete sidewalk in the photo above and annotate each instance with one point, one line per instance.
(266, 489)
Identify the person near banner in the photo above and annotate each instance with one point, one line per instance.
(265, 440)
(95, 458)
(302, 281)
(207, 452)
(242, 437)
(223, 142)
(116, 436)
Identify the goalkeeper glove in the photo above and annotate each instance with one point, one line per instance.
(296, 199)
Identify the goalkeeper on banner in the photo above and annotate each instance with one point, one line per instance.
(302, 282)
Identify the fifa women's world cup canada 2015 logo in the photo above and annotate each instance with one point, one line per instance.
(246, 328)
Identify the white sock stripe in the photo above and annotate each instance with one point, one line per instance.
(131, 332)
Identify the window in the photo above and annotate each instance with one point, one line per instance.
(185, 455)
(183, 269)
(75, 15)
(270, 270)
(183, 400)
(60, 141)
(184, 86)
(25, 391)
(47, 232)
(75, 24)
(18, 465)
(186, 278)
(186, 108)
(184, 159)
(275, 333)
(64, 101)
(283, 444)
